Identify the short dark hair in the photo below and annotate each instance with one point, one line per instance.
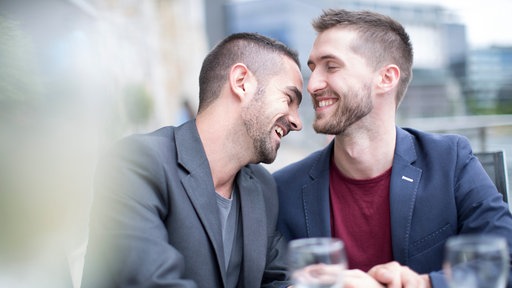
(381, 40)
(261, 54)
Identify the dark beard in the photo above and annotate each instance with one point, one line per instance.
(261, 140)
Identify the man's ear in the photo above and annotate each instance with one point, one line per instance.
(388, 78)
(240, 79)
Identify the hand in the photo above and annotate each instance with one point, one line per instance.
(394, 275)
(358, 279)
(318, 273)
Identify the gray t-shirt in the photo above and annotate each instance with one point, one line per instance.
(231, 235)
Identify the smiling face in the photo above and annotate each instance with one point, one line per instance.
(273, 111)
(340, 82)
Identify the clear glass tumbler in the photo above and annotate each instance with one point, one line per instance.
(317, 262)
(476, 261)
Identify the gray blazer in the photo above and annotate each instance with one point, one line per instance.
(155, 221)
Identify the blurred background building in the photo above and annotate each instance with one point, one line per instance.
(76, 75)
(488, 82)
(451, 79)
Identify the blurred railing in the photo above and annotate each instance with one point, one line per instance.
(487, 133)
(482, 125)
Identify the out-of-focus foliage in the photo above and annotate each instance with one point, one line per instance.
(138, 104)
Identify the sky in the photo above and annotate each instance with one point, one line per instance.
(487, 22)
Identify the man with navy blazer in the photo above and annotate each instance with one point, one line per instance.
(189, 206)
(393, 195)
(431, 198)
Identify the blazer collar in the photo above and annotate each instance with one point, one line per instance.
(316, 196)
(405, 148)
(321, 165)
(405, 178)
(197, 181)
(254, 225)
(190, 150)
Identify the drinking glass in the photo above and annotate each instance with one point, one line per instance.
(317, 262)
(476, 261)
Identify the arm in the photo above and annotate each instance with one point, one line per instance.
(466, 199)
(275, 274)
(481, 209)
(128, 243)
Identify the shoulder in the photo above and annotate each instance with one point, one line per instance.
(314, 164)
(141, 150)
(260, 173)
(430, 138)
(450, 153)
(424, 143)
(163, 135)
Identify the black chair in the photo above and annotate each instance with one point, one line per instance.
(495, 165)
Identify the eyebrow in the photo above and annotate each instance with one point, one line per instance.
(325, 57)
(295, 92)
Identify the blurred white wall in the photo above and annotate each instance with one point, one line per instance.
(75, 75)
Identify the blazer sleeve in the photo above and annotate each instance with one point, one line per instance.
(482, 209)
(128, 245)
(275, 274)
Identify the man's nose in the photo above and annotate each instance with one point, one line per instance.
(316, 82)
(295, 122)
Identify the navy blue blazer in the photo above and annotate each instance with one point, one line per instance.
(438, 189)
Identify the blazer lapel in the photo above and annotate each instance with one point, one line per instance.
(404, 184)
(198, 184)
(316, 197)
(254, 228)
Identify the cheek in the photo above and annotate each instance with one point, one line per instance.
(340, 87)
(338, 82)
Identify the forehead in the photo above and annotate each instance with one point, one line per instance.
(289, 75)
(336, 41)
(288, 80)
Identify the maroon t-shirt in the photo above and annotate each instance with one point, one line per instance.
(360, 217)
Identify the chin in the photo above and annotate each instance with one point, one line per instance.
(269, 158)
(319, 128)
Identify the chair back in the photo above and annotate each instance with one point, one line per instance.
(495, 165)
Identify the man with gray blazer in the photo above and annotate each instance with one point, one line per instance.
(189, 206)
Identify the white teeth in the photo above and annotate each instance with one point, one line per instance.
(324, 103)
(279, 131)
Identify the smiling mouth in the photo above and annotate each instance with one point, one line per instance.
(324, 103)
(279, 131)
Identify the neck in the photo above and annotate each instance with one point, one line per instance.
(222, 149)
(365, 153)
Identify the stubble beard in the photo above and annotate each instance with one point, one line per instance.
(253, 121)
(351, 108)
